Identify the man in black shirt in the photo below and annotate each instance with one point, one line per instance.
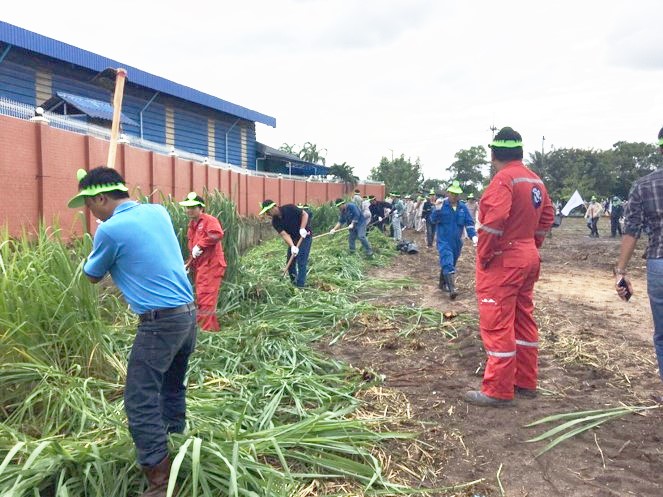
(429, 204)
(377, 208)
(293, 224)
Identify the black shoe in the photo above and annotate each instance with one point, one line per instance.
(451, 284)
(481, 399)
(526, 393)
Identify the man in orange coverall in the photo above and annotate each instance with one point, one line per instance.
(515, 213)
(207, 260)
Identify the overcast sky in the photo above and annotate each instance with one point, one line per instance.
(423, 78)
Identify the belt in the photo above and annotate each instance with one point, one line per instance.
(162, 313)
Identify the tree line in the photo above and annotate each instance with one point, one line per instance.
(604, 173)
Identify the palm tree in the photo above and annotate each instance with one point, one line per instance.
(290, 149)
(310, 153)
(345, 173)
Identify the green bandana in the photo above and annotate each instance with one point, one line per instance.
(93, 190)
(266, 208)
(191, 201)
(506, 144)
(338, 204)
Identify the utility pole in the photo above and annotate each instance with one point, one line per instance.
(392, 154)
(493, 129)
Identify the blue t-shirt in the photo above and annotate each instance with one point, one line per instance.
(138, 246)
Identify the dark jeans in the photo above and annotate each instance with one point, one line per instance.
(430, 233)
(154, 397)
(297, 270)
(593, 225)
(615, 226)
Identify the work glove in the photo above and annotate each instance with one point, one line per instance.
(352, 226)
(294, 250)
(332, 231)
(475, 240)
(379, 219)
(196, 251)
(303, 233)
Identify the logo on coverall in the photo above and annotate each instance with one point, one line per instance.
(537, 197)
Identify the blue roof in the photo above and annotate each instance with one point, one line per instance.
(62, 51)
(94, 108)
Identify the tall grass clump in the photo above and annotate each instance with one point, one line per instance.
(267, 414)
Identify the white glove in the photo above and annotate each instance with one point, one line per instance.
(294, 250)
(303, 233)
(379, 219)
(196, 251)
(332, 231)
(352, 225)
(475, 240)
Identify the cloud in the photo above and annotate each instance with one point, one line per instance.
(635, 40)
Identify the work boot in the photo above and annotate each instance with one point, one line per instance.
(451, 285)
(527, 393)
(157, 476)
(481, 399)
(442, 285)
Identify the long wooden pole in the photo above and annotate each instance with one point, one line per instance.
(120, 77)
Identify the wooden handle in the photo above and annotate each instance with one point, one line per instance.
(120, 77)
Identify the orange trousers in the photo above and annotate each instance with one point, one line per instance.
(208, 279)
(509, 333)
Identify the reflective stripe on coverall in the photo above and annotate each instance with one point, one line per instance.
(515, 215)
(449, 225)
(208, 268)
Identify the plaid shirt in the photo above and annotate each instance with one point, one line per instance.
(644, 211)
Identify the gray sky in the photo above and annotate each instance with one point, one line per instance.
(423, 78)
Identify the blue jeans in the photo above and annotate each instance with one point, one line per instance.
(359, 232)
(655, 291)
(154, 397)
(297, 270)
(430, 233)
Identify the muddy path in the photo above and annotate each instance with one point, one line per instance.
(596, 353)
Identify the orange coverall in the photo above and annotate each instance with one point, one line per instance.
(515, 214)
(208, 268)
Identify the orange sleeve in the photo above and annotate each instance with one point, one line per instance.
(545, 221)
(493, 213)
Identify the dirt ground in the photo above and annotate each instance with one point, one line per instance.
(596, 352)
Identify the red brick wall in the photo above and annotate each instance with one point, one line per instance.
(38, 167)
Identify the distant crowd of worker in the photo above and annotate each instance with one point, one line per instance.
(136, 244)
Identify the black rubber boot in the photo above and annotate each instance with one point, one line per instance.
(451, 284)
(442, 285)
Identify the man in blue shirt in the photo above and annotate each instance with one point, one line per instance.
(451, 216)
(352, 216)
(137, 246)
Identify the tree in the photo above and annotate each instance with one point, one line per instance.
(310, 153)
(345, 173)
(631, 161)
(432, 184)
(565, 170)
(290, 149)
(468, 168)
(399, 175)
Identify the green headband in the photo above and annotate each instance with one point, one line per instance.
(191, 201)
(660, 142)
(93, 190)
(338, 204)
(266, 208)
(506, 144)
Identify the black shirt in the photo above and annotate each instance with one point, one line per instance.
(289, 221)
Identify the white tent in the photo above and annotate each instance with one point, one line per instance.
(575, 201)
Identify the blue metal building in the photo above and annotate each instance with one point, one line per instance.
(40, 71)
